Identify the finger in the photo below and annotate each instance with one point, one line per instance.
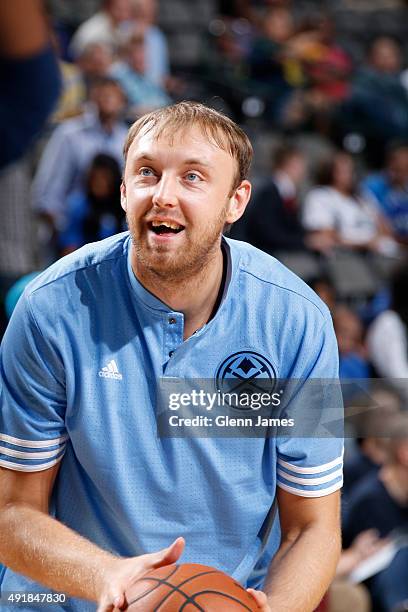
(112, 604)
(167, 556)
(259, 597)
(119, 601)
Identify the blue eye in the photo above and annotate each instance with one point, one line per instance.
(146, 172)
(192, 177)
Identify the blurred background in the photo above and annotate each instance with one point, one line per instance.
(321, 88)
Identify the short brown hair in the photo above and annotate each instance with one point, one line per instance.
(226, 134)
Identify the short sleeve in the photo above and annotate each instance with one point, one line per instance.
(312, 465)
(32, 394)
(318, 211)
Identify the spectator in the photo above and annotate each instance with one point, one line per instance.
(367, 413)
(272, 68)
(327, 65)
(225, 69)
(380, 502)
(390, 190)
(343, 594)
(378, 107)
(106, 26)
(336, 215)
(156, 51)
(272, 222)
(326, 71)
(73, 94)
(325, 289)
(17, 239)
(142, 94)
(95, 61)
(94, 212)
(29, 76)
(74, 144)
(387, 335)
(353, 361)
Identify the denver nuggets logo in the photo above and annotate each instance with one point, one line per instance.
(246, 371)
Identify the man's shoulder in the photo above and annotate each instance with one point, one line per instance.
(88, 258)
(273, 277)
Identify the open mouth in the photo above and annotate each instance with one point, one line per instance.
(161, 228)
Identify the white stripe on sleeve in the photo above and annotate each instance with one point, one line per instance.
(317, 469)
(310, 481)
(309, 493)
(32, 443)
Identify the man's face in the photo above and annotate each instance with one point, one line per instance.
(109, 100)
(136, 55)
(186, 183)
(398, 167)
(96, 60)
(120, 10)
(386, 56)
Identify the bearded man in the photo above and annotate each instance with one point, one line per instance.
(89, 492)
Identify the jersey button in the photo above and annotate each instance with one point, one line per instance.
(171, 353)
(172, 321)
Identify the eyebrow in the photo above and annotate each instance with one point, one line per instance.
(197, 162)
(144, 156)
(187, 162)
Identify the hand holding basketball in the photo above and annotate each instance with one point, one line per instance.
(190, 586)
(122, 572)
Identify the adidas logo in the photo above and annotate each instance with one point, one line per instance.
(110, 371)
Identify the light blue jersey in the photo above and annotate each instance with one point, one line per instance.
(80, 360)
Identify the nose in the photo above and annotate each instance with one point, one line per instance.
(165, 194)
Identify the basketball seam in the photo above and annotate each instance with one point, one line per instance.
(172, 573)
(222, 595)
(190, 599)
(185, 582)
(175, 589)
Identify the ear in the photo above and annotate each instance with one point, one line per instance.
(238, 201)
(123, 201)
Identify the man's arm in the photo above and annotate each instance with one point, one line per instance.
(23, 28)
(36, 545)
(29, 76)
(305, 563)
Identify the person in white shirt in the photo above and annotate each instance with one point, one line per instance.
(387, 337)
(335, 215)
(106, 26)
(72, 147)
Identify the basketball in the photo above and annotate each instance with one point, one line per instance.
(186, 588)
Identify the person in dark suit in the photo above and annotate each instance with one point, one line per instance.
(272, 222)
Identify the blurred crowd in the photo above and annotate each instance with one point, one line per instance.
(328, 116)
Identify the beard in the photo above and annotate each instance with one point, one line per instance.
(180, 263)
